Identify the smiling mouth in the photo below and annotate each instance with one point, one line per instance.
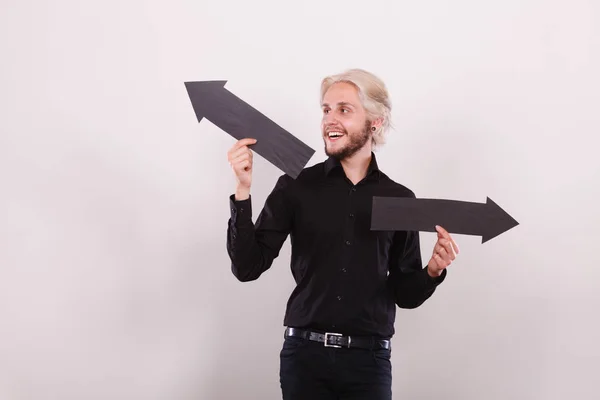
(334, 135)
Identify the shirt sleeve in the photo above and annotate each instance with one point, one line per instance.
(252, 248)
(408, 279)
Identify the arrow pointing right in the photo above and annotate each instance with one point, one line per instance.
(487, 219)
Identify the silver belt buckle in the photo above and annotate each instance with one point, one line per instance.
(327, 334)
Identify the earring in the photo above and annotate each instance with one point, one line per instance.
(373, 128)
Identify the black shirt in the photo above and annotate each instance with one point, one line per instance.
(349, 279)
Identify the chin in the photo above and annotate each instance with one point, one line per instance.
(333, 153)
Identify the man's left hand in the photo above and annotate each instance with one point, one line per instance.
(444, 252)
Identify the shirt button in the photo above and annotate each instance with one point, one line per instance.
(351, 215)
(348, 242)
(339, 297)
(354, 189)
(344, 270)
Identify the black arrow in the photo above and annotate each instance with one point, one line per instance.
(487, 219)
(212, 101)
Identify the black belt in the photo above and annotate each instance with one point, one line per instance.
(338, 340)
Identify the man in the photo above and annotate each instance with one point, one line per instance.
(340, 317)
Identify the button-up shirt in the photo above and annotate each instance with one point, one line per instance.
(349, 279)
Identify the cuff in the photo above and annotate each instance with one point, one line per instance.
(241, 210)
(438, 279)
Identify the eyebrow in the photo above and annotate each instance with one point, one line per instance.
(341, 103)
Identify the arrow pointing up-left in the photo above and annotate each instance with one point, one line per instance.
(212, 101)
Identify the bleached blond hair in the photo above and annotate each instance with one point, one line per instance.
(373, 95)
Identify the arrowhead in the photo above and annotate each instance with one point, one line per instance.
(202, 94)
(496, 220)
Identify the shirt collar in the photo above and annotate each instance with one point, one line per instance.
(333, 163)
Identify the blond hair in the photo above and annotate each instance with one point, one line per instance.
(373, 95)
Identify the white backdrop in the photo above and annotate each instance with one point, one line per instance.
(114, 277)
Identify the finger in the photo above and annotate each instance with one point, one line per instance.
(444, 233)
(441, 262)
(438, 260)
(243, 165)
(447, 245)
(444, 255)
(236, 154)
(237, 147)
(454, 245)
(443, 244)
(243, 142)
(243, 156)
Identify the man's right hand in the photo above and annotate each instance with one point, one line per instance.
(240, 159)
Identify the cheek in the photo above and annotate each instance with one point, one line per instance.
(352, 126)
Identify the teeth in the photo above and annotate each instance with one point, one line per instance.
(335, 134)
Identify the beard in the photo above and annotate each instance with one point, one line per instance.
(356, 142)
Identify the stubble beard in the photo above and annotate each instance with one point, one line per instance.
(356, 142)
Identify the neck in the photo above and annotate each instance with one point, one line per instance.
(356, 166)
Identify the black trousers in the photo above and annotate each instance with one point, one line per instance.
(311, 371)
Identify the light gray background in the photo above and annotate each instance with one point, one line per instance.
(114, 277)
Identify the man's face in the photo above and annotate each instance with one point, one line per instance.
(345, 127)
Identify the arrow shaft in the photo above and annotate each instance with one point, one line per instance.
(241, 120)
(236, 117)
(392, 213)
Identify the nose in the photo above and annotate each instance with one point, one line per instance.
(329, 119)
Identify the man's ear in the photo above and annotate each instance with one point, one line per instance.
(377, 122)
